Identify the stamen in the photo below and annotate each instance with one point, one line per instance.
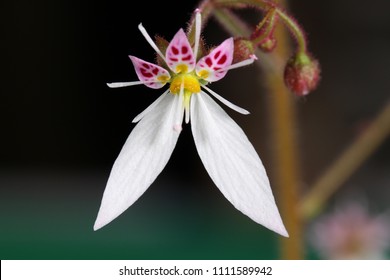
(239, 64)
(198, 27)
(187, 98)
(150, 41)
(126, 84)
(177, 126)
(226, 102)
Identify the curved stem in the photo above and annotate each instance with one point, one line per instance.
(283, 123)
(265, 5)
(261, 4)
(231, 23)
(295, 29)
(347, 164)
(266, 26)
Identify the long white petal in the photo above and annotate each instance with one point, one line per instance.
(142, 158)
(125, 84)
(241, 63)
(233, 163)
(149, 108)
(198, 27)
(226, 102)
(150, 41)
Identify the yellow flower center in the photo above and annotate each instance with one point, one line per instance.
(190, 83)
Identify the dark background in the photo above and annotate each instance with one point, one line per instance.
(62, 128)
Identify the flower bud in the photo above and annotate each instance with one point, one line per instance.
(243, 49)
(302, 74)
(268, 45)
(263, 36)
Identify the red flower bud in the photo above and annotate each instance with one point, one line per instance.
(302, 74)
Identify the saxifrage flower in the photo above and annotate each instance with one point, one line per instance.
(351, 232)
(224, 149)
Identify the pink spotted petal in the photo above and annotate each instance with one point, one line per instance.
(211, 67)
(179, 55)
(153, 75)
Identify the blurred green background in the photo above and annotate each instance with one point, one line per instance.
(62, 128)
(49, 214)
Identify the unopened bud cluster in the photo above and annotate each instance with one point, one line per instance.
(302, 71)
(263, 36)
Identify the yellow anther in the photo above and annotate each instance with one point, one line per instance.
(189, 81)
(204, 74)
(163, 78)
(181, 69)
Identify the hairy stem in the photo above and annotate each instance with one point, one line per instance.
(231, 23)
(286, 157)
(265, 5)
(295, 29)
(283, 122)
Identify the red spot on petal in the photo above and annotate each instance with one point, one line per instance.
(175, 50)
(184, 49)
(145, 73)
(155, 71)
(216, 55)
(188, 57)
(145, 65)
(209, 62)
(222, 60)
(217, 68)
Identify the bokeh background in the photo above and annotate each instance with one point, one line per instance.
(62, 128)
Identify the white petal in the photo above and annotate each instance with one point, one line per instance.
(243, 63)
(226, 102)
(149, 108)
(233, 163)
(150, 40)
(125, 84)
(142, 158)
(198, 27)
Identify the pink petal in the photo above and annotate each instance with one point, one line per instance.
(153, 75)
(211, 67)
(179, 54)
